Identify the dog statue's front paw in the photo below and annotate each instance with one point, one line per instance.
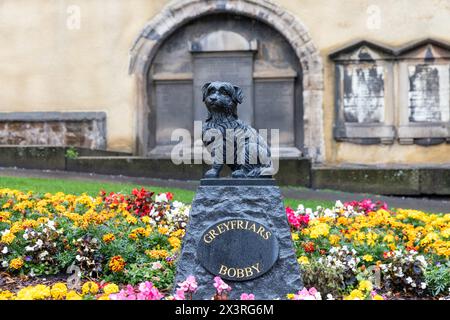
(212, 173)
(238, 174)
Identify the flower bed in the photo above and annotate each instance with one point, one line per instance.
(125, 247)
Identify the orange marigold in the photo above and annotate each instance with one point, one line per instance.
(109, 237)
(116, 264)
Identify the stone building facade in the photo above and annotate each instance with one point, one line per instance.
(355, 81)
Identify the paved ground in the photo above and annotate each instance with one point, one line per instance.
(426, 204)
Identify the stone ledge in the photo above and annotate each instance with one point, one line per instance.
(42, 116)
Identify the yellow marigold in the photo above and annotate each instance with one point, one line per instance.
(377, 297)
(334, 239)
(303, 260)
(318, 230)
(175, 242)
(103, 297)
(355, 295)
(6, 295)
(16, 263)
(133, 236)
(130, 219)
(58, 291)
(163, 230)
(39, 292)
(73, 295)
(116, 264)
(367, 258)
(388, 238)
(179, 233)
(110, 288)
(290, 296)
(89, 287)
(429, 238)
(145, 219)
(295, 236)
(109, 237)
(365, 285)
(157, 254)
(8, 237)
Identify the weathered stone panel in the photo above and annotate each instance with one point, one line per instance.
(53, 129)
(429, 99)
(364, 94)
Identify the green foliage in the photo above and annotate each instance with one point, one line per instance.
(437, 278)
(71, 153)
(326, 280)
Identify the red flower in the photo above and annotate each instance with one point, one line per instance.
(309, 247)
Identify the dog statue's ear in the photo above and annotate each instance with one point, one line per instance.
(238, 95)
(205, 89)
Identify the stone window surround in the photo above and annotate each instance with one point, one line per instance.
(178, 13)
(396, 60)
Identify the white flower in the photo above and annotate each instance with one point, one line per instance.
(39, 243)
(5, 250)
(156, 266)
(51, 224)
(161, 198)
(29, 248)
(43, 254)
(78, 257)
(422, 260)
(330, 296)
(177, 204)
(5, 264)
(413, 285)
(25, 236)
(409, 280)
(423, 285)
(338, 204)
(4, 233)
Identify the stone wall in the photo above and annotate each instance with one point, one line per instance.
(53, 129)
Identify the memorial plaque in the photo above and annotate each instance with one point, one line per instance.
(363, 99)
(238, 249)
(429, 99)
(172, 100)
(228, 67)
(274, 100)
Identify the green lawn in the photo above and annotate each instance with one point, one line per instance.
(78, 187)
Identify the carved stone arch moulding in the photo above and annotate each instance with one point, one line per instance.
(180, 12)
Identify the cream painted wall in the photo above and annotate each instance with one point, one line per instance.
(47, 67)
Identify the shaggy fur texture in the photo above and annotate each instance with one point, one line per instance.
(223, 132)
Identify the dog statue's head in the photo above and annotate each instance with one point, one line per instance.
(222, 97)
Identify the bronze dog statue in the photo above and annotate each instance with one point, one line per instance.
(230, 140)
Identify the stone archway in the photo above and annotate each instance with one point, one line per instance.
(178, 13)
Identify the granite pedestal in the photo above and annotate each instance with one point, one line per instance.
(238, 230)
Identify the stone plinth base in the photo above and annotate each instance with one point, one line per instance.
(257, 200)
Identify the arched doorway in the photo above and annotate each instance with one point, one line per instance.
(258, 46)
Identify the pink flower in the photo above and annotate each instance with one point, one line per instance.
(179, 295)
(220, 285)
(149, 292)
(296, 220)
(146, 292)
(246, 296)
(305, 294)
(190, 285)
